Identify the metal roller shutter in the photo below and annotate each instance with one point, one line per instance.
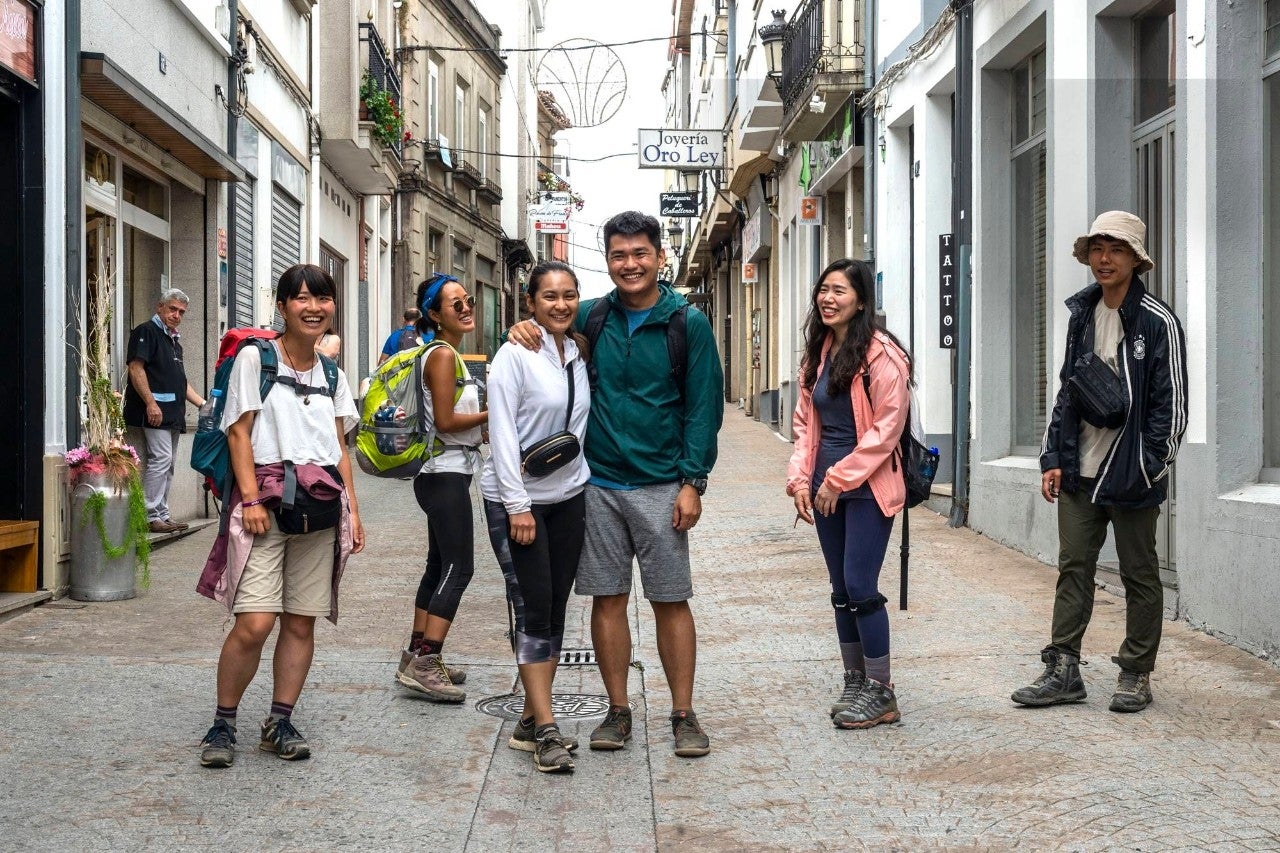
(286, 239)
(242, 297)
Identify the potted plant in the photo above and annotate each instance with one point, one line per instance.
(379, 107)
(110, 551)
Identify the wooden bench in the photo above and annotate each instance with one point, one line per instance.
(19, 555)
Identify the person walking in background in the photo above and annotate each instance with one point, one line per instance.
(155, 402)
(293, 518)
(844, 475)
(329, 345)
(451, 411)
(403, 338)
(536, 522)
(1112, 438)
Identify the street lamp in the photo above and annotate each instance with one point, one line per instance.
(690, 180)
(676, 235)
(771, 36)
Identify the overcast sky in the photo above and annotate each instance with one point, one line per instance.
(617, 184)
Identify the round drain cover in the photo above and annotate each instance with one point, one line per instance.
(566, 706)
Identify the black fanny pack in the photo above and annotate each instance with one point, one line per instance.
(302, 512)
(555, 451)
(1096, 392)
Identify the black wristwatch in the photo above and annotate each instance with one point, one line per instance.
(698, 483)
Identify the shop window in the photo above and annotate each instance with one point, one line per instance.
(145, 194)
(1029, 245)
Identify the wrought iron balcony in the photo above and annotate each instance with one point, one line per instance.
(823, 44)
(380, 69)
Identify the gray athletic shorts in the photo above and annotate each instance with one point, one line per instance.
(636, 524)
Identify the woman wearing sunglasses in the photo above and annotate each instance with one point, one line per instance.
(533, 495)
(451, 411)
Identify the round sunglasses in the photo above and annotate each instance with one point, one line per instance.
(457, 304)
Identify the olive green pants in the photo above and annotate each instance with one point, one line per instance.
(1082, 531)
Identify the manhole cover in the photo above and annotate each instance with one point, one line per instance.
(566, 706)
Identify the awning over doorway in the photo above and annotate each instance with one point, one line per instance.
(106, 84)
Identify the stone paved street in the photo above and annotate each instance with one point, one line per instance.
(103, 706)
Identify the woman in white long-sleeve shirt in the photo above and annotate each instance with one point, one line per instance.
(536, 524)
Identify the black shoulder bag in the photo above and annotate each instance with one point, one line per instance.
(555, 451)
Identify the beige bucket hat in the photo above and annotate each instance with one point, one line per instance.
(1118, 225)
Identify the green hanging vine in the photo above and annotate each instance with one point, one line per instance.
(135, 531)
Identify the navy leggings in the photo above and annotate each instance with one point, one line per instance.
(854, 539)
(451, 549)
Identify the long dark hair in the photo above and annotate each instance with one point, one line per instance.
(852, 354)
(541, 271)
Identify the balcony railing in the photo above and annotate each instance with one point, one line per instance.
(380, 68)
(823, 36)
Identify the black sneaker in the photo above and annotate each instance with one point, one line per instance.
(218, 749)
(876, 704)
(1133, 692)
(854, 682)
(551, 754)
(614, 732)
(279, 736)
(523, 738)
(1060, 682)
(691, 740)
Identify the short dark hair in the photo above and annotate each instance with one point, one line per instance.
(318, 282)
(631, 222)
(424, 323)
(411, 315)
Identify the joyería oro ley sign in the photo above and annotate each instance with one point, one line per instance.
(681, 149)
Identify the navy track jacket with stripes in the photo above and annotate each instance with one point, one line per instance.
(1153, 370)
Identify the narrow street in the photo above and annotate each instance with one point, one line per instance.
(104, 705)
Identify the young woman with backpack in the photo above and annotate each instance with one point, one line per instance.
(291, 517)
(443, 488)
(536, 516)
(845, 475)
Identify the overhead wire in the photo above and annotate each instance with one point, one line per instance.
(591, 46)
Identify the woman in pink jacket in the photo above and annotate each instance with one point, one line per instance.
(845, 475)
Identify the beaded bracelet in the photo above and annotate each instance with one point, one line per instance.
(244, 504)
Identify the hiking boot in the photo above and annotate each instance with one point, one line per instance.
(551, 753)
(218, 749)
(279, 736)
(691, 740)
(854, 681)
(427, 675)
(1133, 692)
(876, 704)
(614, 732)
(457, 676)
(524, 739)
(1060, 682)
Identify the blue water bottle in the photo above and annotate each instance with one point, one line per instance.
(930, 464)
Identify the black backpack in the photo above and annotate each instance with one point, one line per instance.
(676, 343)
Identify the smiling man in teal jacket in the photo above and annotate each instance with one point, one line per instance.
(651, 444)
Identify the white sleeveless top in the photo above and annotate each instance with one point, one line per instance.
(461, 453)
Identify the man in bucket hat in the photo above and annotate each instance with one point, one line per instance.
(1115, 429)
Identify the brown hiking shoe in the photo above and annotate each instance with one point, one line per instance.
(614, 732)
(1133, 692)
(854, 682)
(427, 675)
(691, 740)
(457, 676)
(876, 704)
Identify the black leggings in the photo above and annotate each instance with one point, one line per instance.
(451, 549)
(540, 575)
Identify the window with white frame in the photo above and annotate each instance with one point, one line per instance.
(1029, 246)
(433, 101)
(482, 141)
(1271, 243)
(460, 120)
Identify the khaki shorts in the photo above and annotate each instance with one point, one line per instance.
(288, 574)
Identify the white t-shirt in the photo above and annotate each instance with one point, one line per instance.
(1095, 442)
(286, 427)
(461, 454)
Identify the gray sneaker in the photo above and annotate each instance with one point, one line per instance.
(279, 736)
(551, 754)
(614, 732)
(524, 739)
(218, 749)
(427, 675)
(691, 740)
(854, 681)
(876, 704)
(1060, 682)
(457, 676)
(1133, 692)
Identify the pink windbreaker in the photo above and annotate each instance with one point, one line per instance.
(874, 460)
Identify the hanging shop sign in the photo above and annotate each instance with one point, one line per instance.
(18, 38)
(750, 273)
(681, 204)
(946, 292)
(550, 213)
(681, 149)
(811, 210)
